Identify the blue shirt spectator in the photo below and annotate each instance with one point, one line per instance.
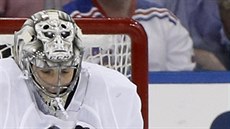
(202, 20)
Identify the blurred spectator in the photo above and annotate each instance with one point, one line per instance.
(224, 7)
(170, 46)
(25, 8)
(202, 20)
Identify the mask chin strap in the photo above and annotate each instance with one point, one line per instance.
(64, 114)
(59, 100)
(55, 105)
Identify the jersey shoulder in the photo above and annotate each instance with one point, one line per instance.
(9, 65)
(108, 76)
(81, 8)
(146, 10)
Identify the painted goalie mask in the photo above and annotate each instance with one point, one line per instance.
(50, 39)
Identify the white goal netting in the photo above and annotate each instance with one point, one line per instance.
(112, 51)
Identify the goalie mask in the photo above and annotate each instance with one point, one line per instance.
(48, 51)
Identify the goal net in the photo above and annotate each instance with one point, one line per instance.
(107, 42)
(120, 44)
(111, 51)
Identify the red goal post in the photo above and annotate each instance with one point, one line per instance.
(105, 26)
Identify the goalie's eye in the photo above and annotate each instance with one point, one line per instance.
(46, 71)
(49, 34)
(65, 34)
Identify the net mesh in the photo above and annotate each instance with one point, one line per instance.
(111, 51)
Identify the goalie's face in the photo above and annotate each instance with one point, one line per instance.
(53, 80)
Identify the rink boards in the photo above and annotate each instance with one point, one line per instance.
(187, 100)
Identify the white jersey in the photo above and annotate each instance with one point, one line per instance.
(103, 99)
(170, 47)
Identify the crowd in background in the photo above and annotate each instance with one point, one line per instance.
(25, 8)
(201, 18)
